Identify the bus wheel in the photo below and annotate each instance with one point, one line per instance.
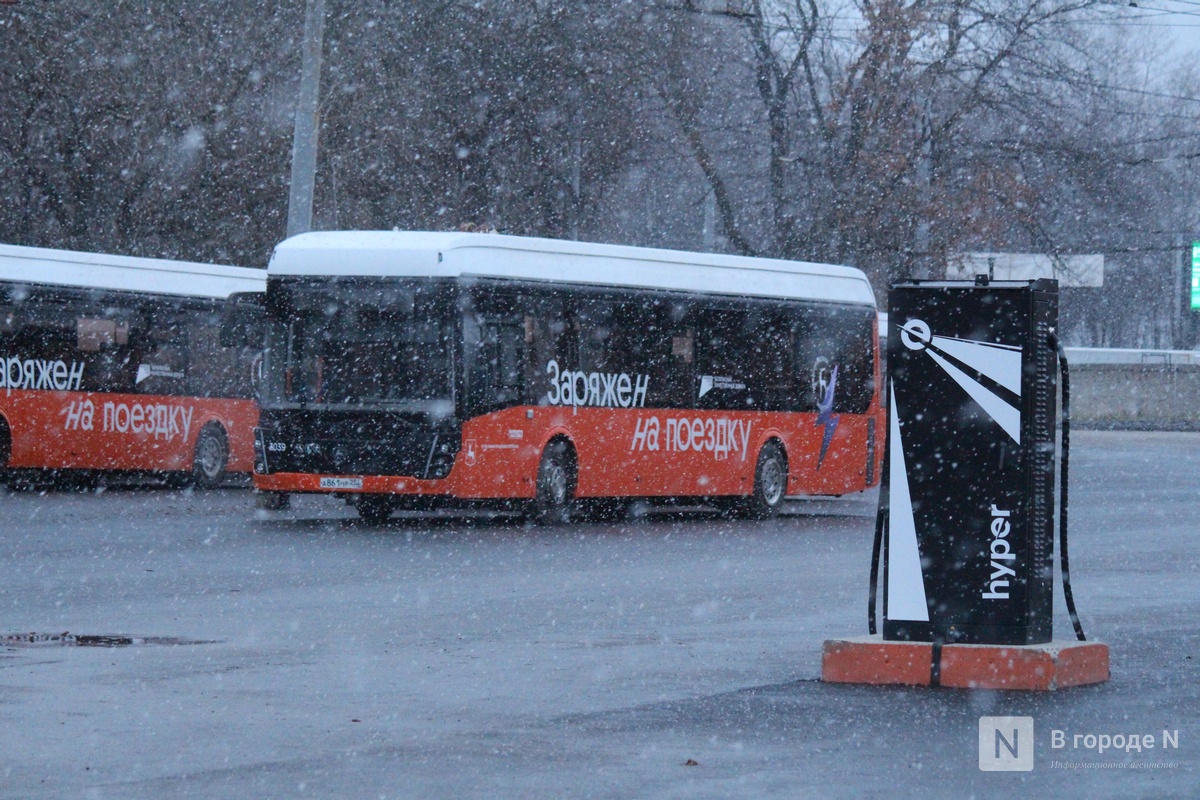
(5, 444)
(212, 454)
(374, 509)
(5, 452)
(555, 484)
(272, 501)
(770, 482)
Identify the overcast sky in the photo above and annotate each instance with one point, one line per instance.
(1180, 17)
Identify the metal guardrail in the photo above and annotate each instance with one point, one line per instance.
(1113, 355)
(1135, 389)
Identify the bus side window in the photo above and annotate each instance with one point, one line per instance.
(547, 339)
(770, 378)
(829, 338)
(858, 355)
(161, 354)
(107, 343)
(813, 364)
(499, 379)
(681, 369)
(216, 369)
(597, 328)
(660, 348)
(723, 361)
(39, 333)
(94, 335)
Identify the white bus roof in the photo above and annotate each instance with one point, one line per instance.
(456, 255)
(37, 265)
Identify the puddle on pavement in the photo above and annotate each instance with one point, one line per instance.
(67, 639)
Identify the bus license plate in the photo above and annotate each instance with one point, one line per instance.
(341, 483)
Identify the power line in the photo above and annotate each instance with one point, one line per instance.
(1144, 92)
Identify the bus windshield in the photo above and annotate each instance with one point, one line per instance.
(359, 344)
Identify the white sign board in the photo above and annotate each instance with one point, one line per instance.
(1083, 270)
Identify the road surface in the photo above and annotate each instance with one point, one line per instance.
(305, 654)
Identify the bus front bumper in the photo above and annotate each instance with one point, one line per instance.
(298, 482)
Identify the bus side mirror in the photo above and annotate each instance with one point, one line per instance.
(242, 321)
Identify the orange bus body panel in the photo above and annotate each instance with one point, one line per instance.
(110, 431)
(636, 453)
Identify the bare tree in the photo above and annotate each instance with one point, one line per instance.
(882, 133)
(510, 113)
(133, 130)
(868, 113)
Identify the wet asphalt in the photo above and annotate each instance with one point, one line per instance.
(163, 643)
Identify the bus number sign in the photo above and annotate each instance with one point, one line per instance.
(341, 483)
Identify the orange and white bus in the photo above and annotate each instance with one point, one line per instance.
(406, 368)
(111, 363)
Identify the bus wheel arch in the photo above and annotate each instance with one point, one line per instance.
(210, 457)
(770, 480)
(557, 482)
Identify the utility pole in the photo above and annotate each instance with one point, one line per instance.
(304, 139)
(924, 266)
(1177, 321)
(709, 230)
(576, 173)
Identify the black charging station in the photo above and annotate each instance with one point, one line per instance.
(968, 489)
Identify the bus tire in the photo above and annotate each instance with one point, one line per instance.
(770, 482)
(5, 451)
(211, 457)
(272, 501)
(374, 509)
(556, 481)
(5, 444)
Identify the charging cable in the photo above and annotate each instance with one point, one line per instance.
(1064, 471)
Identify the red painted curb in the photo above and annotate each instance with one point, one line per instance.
(1037, 667)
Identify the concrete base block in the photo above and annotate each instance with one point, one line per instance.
(1035, 667)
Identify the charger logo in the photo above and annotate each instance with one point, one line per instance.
(996, 382)
(824, 386)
